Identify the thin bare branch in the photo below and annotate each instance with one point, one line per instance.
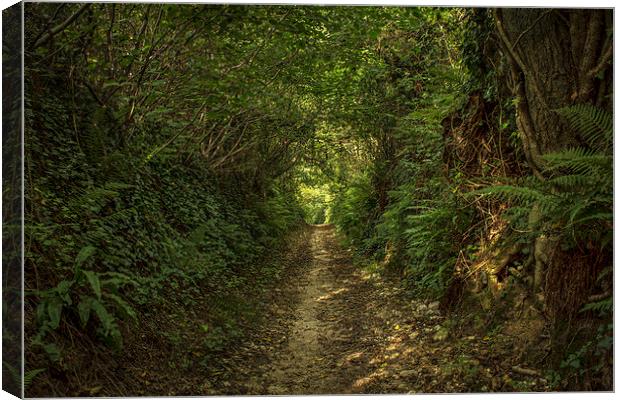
(60, 27)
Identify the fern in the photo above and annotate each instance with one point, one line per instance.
(577, 198)
(518, 194)
(594, 124)
(429, 245)
(578, 161)
(56, 302)
(604, 306)
(17, 376)
(571, 181)
(93, 200)
(30, 375)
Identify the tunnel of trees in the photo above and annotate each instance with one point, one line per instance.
(171, 151)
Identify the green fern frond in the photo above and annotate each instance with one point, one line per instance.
(94, 199)
(578, 191)
(517, 212)
(30, 375)
(604, 216)
(519, 194)
(16, 375)
(602, 306)
(594, 124)
(570, 182)
(91, 200)
(578, 160)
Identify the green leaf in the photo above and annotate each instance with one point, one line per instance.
(605, 343)
(54, 311)
(41, 312)
(52, 351)
(15, 375)
(30, 375)
(93, 279)
(84, 255)
(84, 308)
(63, 291)
(104, 316)
(602, 306)
(126, 308)
(116, 280)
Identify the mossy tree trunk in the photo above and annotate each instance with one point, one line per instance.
(558, 58)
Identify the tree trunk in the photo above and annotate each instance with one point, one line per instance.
(558, 58)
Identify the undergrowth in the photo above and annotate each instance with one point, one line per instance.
(111, 238)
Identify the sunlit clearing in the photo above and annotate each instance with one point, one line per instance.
(315, 201)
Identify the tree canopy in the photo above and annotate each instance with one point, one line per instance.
(171, 150)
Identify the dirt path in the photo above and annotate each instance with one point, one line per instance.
(340, 329)
(331, 333)
(300, 367)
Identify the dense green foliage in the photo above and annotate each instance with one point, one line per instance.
(575, 203)
(575, 207)
(171, 149)
(403, 196)
(414, 202)
(130, 205)
(168, 149)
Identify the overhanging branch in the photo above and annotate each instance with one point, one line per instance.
(59, 28)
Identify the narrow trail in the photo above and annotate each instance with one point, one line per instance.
(340, 329)
(331, 325)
